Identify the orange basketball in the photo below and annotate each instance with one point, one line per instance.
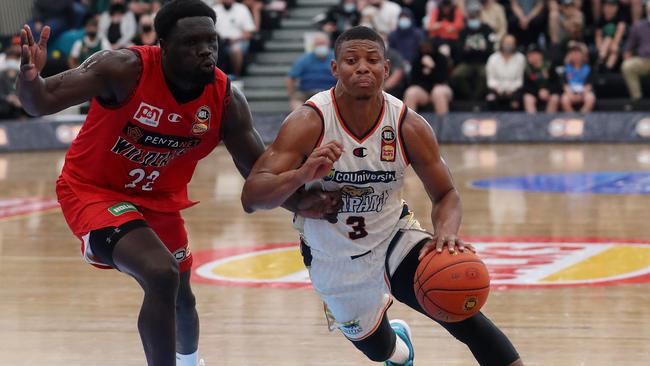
(451, 287)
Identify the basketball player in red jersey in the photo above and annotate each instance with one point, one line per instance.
(359, 139)
(155, 111)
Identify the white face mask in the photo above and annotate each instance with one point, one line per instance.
(321, 51)
(12, 64)
(349, 7)
(404, 23)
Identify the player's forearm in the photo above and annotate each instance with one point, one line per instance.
(265, 191)
(447, 213)
(34, 96)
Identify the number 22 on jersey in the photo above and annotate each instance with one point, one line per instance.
(139, 176)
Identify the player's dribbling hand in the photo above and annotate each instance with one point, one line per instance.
(33, 55)
(320, 162)
(316, 204)
(452, 242)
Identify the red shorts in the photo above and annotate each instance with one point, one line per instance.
(83, 218)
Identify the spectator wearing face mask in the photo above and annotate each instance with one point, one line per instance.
(395, 83)
(407, 37)
(235, 27)
(381, 15)
(118, 25)
(339, 18)
(477, 41)
(505, 76)
(147, 35)
(311, 73)
(91, 42)
(541, 83)
(429, 77)
(578, 81)
(10, 106)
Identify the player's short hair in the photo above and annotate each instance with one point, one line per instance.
(358, 32)
(174, 10)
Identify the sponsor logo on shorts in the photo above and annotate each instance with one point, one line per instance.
(152, 139)
(361, 176)
(122, 208)
(514, 263)
(181, 254)
(351, 328)
(148, 114)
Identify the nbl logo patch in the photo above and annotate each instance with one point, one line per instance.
(201, 120)
(388, 144)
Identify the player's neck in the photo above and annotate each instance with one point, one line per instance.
(359, 114)
(182, 89)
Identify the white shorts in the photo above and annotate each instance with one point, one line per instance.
(356, 292)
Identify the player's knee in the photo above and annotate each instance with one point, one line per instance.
(162, 276)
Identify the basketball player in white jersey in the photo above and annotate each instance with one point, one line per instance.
(358, 140)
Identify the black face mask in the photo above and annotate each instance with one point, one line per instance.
(227, 6)
(445, 3)
(147, 28)
(91, 35)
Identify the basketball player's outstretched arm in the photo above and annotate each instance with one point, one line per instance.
(111, 75)
(423, 152)
(290, 162)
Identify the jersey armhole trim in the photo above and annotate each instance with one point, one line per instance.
(313, 106)
(135, 89)
(400, 123)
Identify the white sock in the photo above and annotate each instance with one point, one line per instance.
(401, 353)
(187, 360)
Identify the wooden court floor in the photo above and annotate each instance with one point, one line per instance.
(56, 310)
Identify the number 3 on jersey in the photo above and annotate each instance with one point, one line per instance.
(358, 226)
(139, 175)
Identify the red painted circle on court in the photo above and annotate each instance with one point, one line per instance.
(513, 262)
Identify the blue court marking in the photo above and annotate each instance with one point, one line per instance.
(592, 182)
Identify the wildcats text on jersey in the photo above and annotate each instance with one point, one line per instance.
(142, 156)
(361, 176)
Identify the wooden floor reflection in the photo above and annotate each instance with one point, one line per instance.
(56, 310)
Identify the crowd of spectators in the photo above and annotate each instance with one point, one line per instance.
(508, 55)
(83, 27)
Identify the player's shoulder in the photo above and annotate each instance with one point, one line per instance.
(415, 126)
(115, 63)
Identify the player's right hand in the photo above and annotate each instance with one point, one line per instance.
(33, 55)
(321, 161)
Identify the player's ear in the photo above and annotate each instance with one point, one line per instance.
(335, 69)
(386, 68)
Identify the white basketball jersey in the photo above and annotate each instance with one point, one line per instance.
(370, 174)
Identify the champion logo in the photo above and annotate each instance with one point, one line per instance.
(174, 117)
(360, 152)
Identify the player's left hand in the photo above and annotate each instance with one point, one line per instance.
(451, 241)
(316, 204)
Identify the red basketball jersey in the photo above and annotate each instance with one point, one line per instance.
(145, 150)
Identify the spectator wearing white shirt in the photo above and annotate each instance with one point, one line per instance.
(505, 76)
(118, 25)
(381, 15)
(235, 28)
